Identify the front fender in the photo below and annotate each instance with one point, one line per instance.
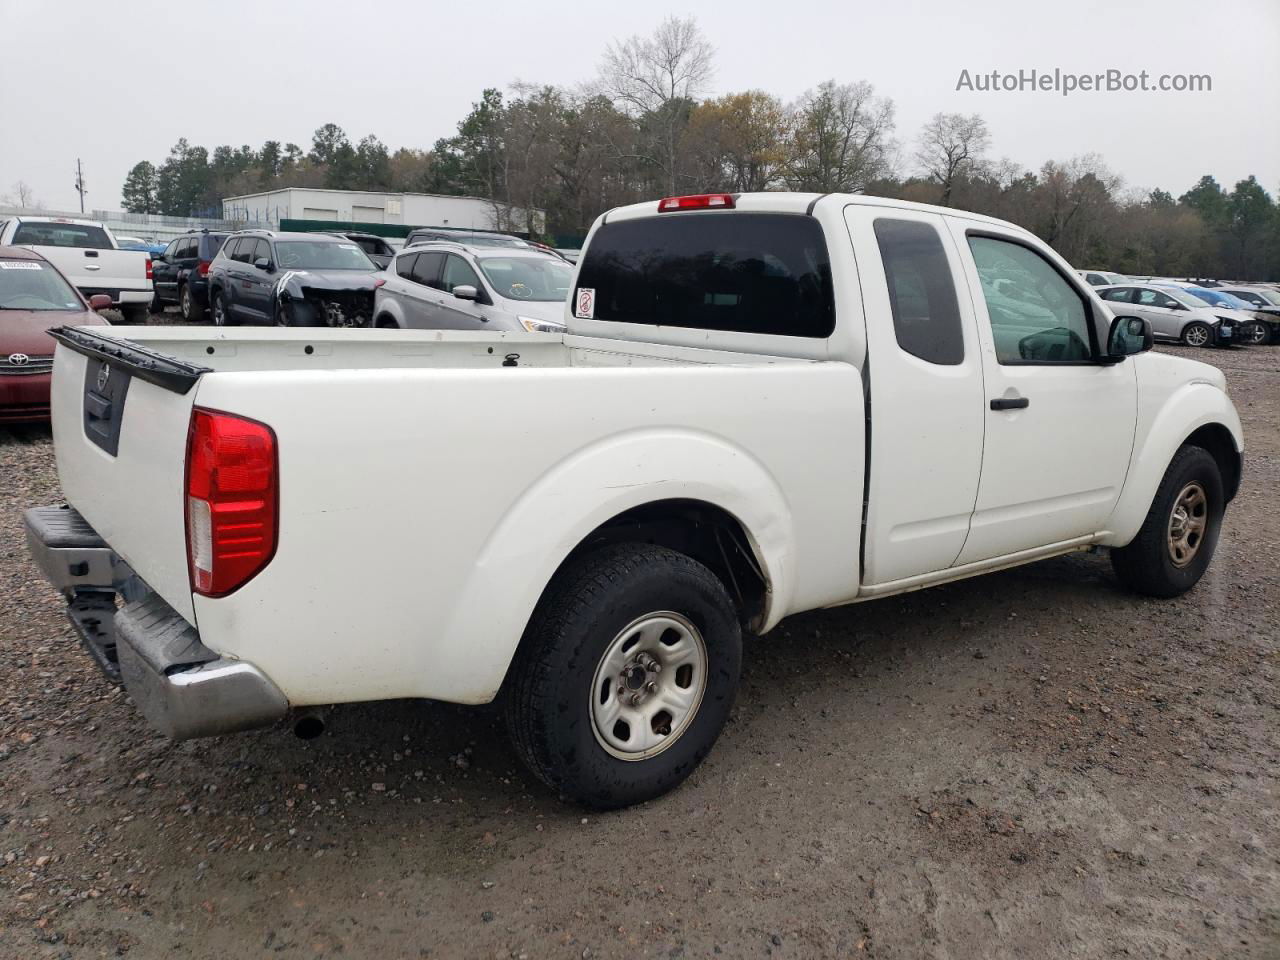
(1191, 406)
(575, 497)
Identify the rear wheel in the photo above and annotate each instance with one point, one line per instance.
(192, 312)
(1176, 542)
(625, 675)
(1197, 334)
(1255, 334)
(221, 318)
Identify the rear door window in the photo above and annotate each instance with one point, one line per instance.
(922, 293)
(404, 266)
(427, 270)
(763, 273)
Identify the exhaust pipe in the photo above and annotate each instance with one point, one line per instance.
(309, 722)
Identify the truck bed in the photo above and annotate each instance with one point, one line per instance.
(424, 473)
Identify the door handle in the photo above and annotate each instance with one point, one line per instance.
(1010, 403)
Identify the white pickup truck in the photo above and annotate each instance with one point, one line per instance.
(763, 404)
(88, 255)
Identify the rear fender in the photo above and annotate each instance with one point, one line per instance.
(573, 499)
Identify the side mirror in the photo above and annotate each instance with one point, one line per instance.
(262, 263)
(464, 291)
(1129, 335)
(100, 301)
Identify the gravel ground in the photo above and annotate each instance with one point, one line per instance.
(1030, 764)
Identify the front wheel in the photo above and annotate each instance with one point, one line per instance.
(625, 675)
(1197, 334)
(1176, 542)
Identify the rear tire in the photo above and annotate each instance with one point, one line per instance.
(627, 606)
(1197, 334)
(192, 312)
(1177, 540)
(1256, 334)
(221, 317)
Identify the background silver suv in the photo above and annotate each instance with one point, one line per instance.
(460, 287)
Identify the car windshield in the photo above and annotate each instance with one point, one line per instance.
(528, 278)
(321, 255)
(1267, 295)
(61, 235)
(32, 285)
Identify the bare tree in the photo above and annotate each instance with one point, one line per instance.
(657, 80)
(952, 145)
(840, 138)
(22, 196)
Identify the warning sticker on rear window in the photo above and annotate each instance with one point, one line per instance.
(20, 265)
(584, 307)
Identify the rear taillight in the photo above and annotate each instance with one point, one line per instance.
(232, 500)
(150, 275)
(700, 201)
(202, 268)
(379, 282)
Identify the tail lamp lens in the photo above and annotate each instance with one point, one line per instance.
(202, 268)
(232, 500)
(150, 275)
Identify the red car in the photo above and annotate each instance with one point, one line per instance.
(34, 296)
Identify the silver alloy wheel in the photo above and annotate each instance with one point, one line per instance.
(219, 312)
(1187, 523)
(648, 685)
(1258, 333)
(1196, 336)
(184, 302)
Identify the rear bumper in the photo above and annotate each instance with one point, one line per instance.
(183, 688)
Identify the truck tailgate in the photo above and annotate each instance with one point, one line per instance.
(120, 420)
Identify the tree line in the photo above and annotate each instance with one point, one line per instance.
(644, 128)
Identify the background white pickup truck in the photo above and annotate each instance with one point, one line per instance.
(88, 255)
(764, 404)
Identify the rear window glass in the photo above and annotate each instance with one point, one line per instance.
(762, 273)
(61, 235)
(212, 244)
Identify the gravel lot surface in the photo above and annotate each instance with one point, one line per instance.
(1029, 764)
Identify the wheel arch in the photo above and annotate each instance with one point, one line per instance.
(1197, 414)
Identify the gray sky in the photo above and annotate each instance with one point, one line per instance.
(408, 72)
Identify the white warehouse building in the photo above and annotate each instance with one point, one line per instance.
(357, 206)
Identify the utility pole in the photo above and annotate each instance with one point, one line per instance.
(80, 184)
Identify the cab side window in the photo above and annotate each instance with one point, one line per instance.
(922, 293)
(1036, 315)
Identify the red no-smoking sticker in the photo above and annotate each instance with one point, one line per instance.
(586, 304)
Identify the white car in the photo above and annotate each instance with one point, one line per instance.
(1178, 314)
(1101, 278)
(87, 254)
(763, 404)
(439, 285)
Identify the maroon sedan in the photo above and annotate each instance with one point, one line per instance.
(34, 296)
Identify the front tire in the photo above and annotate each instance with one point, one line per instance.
(1197, 334)
(586, 708)
(1177, 540)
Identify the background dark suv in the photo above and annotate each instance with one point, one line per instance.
(181, 273)
(291, 279)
